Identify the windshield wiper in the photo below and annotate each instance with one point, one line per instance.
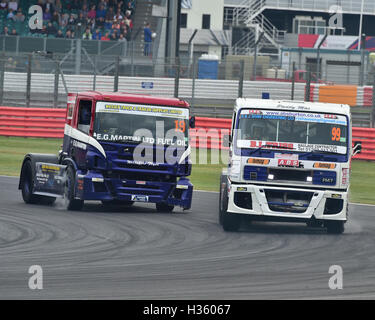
(321, 153)
(270, 146)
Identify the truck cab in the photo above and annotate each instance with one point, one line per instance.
(119, 149)
(289, 161)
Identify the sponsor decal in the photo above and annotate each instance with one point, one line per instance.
(336, 196)
(288, 163)
(139, 198)
(258, 161)
(182, 186)
(327, 180)
(321, 165)
(286, 156)
(241, 189)
(79, 145)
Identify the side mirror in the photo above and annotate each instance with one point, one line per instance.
(192, 122)
(357, 148)
(227, 140)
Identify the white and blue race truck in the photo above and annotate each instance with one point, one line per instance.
(288, 161)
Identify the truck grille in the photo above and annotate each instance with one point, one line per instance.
(288, 201)
(290, 175)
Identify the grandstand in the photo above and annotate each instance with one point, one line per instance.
(72, 18)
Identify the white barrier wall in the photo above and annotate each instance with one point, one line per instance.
(204, 89)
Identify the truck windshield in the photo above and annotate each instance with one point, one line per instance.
(297, 131)
(124, 123)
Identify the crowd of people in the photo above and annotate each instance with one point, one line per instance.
(87, 19)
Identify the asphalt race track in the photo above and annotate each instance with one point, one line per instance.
(138, 253)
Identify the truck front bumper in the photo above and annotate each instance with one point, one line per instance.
(279, 203)
(93, 186)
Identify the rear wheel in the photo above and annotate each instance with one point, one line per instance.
(335, 227)
(163, 207)
(71, 203)
(230, 221)
(27, 184)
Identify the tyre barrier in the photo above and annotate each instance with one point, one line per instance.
(209, 132)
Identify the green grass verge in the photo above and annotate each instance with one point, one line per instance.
(204, 177)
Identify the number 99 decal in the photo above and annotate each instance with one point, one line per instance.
(336, 134)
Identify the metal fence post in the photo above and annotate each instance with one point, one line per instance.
(2, 75)
(95, 71)
(177, 78)
(362, 69)
(28, 81)
(132, 58)
(293, 80)
(78, 57)
(241, 80)
(308, 87)
(56, 88)
(193, 87)
(117, 67)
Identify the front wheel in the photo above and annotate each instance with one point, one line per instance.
(335, 227)
(163, 207)
(71, 203)
(27, 184)
(231, 222)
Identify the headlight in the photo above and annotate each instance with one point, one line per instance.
(235, 169)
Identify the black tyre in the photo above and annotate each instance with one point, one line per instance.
(335, 227)
(231, 222)
(163, 207)
(27, 184)
(71, 203)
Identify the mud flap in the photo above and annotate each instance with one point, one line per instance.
(49, 179)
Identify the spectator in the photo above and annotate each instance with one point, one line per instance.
(87, 34)
(59, 34)
(13, 5)
(5, 32)
(3, 5)
(92, 13)
(110, 14)
(97, 35)
(84, 11)
(58, 6)
(106, 37)
(56, 18)
(64, 20)
(71, 21)
(49, 5)
(128, 20)
(108, 25)
(114, 36)
(14, 32)
(51, 30)
(81, 20)
(19, 17)
(101, 12)
(116, 25)
(118, 15)
(130, 8)
(121, 37)
(68, 34)
(148, 39)
(47, 16)
(100, 23)
(10, 15)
